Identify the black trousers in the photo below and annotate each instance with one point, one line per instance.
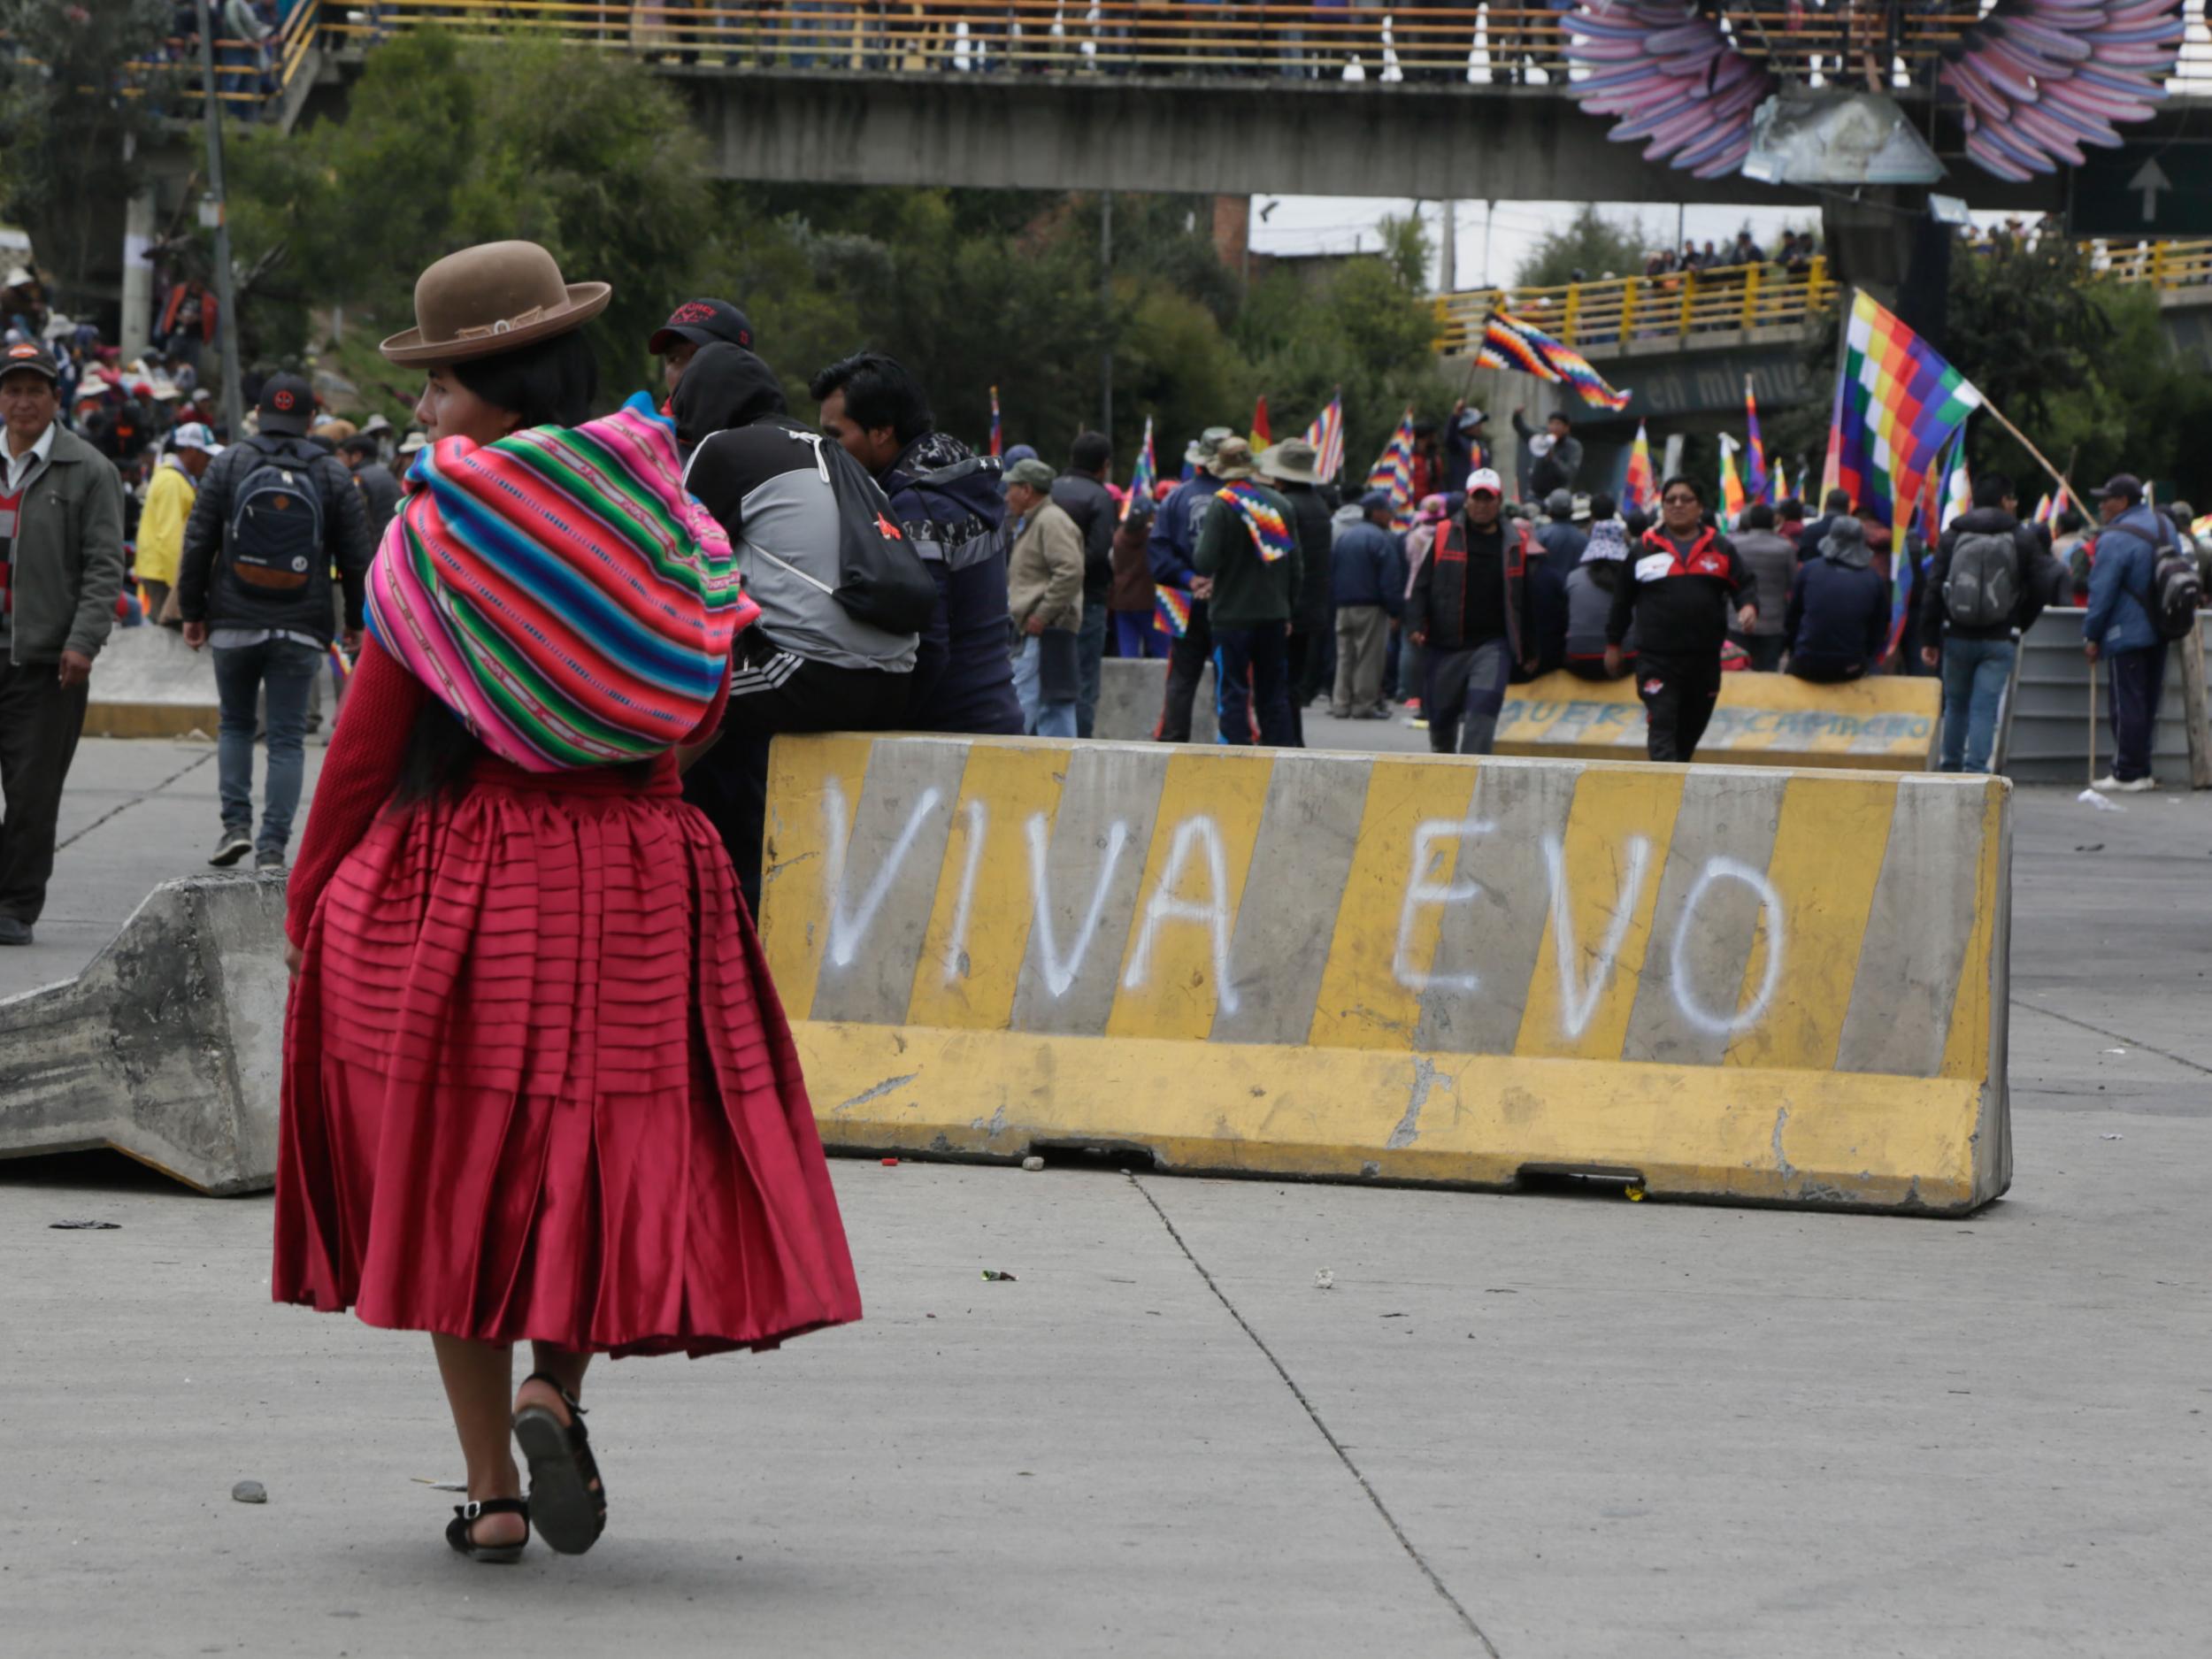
(1186, 660)
(775, 692)
(1679, 699)
(2137, 677)
(40, 724)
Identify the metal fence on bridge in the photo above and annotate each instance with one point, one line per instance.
(1619, 311)
(1438, 44)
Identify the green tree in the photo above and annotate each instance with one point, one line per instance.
(77, 104)
(1590, 243)
(447, 143)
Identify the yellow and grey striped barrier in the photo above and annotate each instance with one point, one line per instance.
(1718, 982)
(1882, 723)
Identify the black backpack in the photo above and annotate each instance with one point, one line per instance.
(881, 580)
(275, 535)
(1983, 589)
(2175, 592)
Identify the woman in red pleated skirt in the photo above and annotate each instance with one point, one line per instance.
(537, 1084)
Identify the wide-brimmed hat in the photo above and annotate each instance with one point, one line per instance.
(1232, 460)
(492, 298)
(1293, 460)
(1201, 449)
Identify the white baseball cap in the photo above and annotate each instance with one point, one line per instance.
(195, 435)
(1483, 479)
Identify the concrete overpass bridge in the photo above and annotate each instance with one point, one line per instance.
(1467, 102)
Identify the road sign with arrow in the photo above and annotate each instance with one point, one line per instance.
(2150, 191)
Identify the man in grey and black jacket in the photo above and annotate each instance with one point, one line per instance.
(61, 567)
(275, 514)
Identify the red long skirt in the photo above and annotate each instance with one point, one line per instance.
(537, 1085)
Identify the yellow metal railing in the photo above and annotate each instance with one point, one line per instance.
(1414, 41)
(1424, 42)
(1621, 310)
(1595, 316)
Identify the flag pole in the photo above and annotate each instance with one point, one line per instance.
(2021, 438)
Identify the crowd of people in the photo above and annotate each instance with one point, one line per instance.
(1252, 566)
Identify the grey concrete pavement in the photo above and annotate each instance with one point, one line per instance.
(1550, 1425)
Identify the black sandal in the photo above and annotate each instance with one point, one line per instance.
(568, 1499)
(465, 1517)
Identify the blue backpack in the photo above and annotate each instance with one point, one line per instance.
(276, 518)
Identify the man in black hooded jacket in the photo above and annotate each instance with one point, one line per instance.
(807, 664)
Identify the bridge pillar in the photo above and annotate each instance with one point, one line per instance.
(1887, 243)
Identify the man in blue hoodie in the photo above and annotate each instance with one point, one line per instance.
(1172, 548)
(2116, 628)
(1367, 582)
(948, 501)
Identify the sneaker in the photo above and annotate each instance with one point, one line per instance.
(266, 859)
(230, 847)
(14, 933)
(2137, 786)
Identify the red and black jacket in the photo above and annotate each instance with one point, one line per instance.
(1439, 606)
(1680, 602)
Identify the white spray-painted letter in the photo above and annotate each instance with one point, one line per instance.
(956, 944)
(846, 932)
(1678, 964)
(1423, 890)
(1167, 907)
(1060, 972)
(1578, 1002)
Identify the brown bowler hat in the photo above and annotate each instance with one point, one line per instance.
(491, 298)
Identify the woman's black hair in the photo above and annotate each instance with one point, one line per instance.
(440, 752)
(548, 383)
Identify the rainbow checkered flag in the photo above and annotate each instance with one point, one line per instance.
(1757, 485)
(1147, 475)
(1326, 434)
(995, 422)
(1731, 495)
(1641, 492)
(1898, 403)
(1393, 471)
(1508, 343)
(1171, 610)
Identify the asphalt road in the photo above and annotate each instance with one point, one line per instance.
(1516, 1423)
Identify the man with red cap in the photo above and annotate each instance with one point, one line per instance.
(694, 323)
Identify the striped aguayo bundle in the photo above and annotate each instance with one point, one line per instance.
(559, 591)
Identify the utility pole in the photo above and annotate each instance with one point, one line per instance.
(1106, 311)
(226, 291)
(1489, 214)
(1449, 267)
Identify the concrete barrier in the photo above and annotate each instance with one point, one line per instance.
(148, 682)
(168, 1047)
(1131, 691)
(1888, 722)
(1723, 983)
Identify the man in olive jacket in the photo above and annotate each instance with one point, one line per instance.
(61, 567)
(1247, 543)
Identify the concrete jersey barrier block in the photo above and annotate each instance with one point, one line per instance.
(1882, 723)
(168, 1047)
(148, 682)
(1727, 984)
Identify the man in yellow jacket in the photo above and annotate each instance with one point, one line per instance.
(169, 498)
